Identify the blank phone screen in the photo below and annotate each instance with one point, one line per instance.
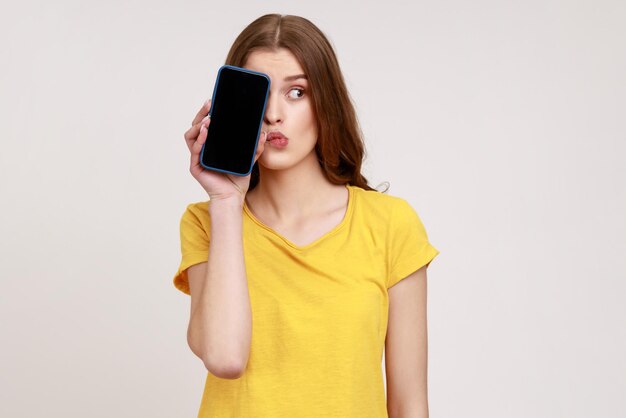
(237, 111)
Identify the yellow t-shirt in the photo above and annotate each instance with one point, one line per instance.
(319, 311)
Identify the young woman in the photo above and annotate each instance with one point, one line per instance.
(300, 274)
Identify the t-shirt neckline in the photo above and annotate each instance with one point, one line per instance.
(346, 219)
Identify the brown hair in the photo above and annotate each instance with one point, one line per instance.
(340, 148)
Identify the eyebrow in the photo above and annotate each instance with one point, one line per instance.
(295, 77)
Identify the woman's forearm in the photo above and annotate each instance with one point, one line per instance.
(221, 325)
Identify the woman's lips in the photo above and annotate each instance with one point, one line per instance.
(279, 142)
(277, 139)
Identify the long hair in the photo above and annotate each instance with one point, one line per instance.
(340, 148)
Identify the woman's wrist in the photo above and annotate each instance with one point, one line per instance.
(226, 203)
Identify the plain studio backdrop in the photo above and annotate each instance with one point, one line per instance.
(501, 122)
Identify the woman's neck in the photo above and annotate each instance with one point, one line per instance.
(302, 191)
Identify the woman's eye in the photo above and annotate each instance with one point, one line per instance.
(299, 90)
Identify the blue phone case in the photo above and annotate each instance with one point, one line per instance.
(260, 124)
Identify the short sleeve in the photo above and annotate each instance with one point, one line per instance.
(407, 243)
(194, 242)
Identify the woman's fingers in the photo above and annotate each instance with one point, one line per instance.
(261, 146)
(192, 133)
(204, 110)
(196, 147)
(202, 126)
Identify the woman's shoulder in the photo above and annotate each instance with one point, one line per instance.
(196, 207)
(377, 200)
(197, 213)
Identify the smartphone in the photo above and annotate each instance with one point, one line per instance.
(237, 110)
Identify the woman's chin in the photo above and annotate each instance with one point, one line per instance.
(282, 160)
(274, 163)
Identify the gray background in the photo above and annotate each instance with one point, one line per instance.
(501, 122)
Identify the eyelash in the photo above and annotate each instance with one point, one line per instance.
(298, 88)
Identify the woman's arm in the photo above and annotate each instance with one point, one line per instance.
(406, 348)
(220, 325)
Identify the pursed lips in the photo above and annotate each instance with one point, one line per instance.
(275, 135)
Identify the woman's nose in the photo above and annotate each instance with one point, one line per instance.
(273, 113)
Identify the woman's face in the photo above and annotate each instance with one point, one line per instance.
(289, 109)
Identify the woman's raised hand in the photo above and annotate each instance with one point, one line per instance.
(218, 185)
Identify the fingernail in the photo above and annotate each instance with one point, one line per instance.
(206, 118)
